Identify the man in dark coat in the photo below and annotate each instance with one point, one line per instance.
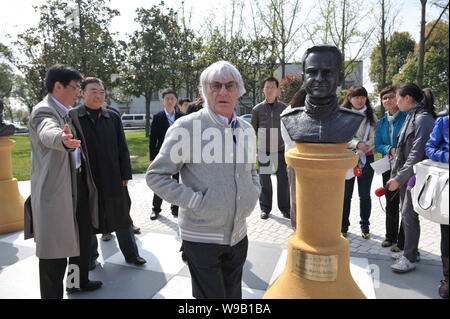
(160, 124)
(110, 165)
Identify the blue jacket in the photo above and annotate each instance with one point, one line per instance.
(382, 139)
(437, 146)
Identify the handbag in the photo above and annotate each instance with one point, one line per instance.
(430, 194)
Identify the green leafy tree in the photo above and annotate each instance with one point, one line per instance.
(436, 75)
(148, 68)
(73, 32)
(398, 46)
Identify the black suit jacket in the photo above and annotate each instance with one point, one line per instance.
(158, 129)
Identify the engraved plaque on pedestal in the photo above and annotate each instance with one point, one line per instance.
(315, 267)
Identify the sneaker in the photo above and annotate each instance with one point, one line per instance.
(107, 237)
(399, 255)
(403, 265)
(365, 235)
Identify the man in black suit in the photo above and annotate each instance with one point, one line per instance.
(160, 124)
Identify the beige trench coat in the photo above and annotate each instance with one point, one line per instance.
(53, 195)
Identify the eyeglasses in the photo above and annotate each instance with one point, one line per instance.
(388, 97)
(75, 87)
(217, 86)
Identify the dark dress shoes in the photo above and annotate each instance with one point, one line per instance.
(136, 230)
(90, 286)
(264, 215)
(154, 215)
(286, 214)
(138, 261)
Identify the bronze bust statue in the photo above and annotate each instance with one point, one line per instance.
(5, 130)
(321, 120)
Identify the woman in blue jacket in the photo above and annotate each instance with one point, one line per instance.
(386, 136)
(437, 150)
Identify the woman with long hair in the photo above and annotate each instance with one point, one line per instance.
(363, 144)
(410, 150)
(386, 136)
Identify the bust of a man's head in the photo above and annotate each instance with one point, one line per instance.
(322, 71)
(321, 120)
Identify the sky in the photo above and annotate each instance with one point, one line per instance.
(16, 16)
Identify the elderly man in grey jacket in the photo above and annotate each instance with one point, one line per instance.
(215, 153)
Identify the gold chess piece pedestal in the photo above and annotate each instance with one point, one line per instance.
(11, 202)
(318, 262)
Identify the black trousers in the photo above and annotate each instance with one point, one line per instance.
(51, 271)
(394, 234)
(216, 270)
(444, 240)
(127, 245)
(157, 201)
(265, 199)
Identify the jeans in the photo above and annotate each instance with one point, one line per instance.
(365, 202)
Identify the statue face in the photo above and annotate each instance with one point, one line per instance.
(321, 74)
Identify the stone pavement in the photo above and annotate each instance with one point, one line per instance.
(165, 276)
(277, 229)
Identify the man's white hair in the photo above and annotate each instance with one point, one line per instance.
(221, 70)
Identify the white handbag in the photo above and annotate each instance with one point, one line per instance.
(430, 194)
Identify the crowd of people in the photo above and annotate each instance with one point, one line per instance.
(81, 168)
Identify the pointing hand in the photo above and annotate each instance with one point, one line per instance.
(67, 138)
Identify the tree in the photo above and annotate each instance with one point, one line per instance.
(339, 23)
(280, 19)
(386, 22)
(424, 35)
(398, 47)
(147, 68)
(89, 47)
(436, 63)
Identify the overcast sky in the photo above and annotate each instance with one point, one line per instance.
(16, 16)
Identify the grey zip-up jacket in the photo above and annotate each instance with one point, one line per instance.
(219, 185)
(411, 143)
(266, 117)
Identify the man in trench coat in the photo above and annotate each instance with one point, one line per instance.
(63, 195)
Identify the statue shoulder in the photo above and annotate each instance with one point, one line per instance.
(293, 112)
(348, 113)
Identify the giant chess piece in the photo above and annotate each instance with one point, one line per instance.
(5, 129)
(318, 263)
(11, 202)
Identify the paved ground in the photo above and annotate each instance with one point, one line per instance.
(277, 229)
(165, 276)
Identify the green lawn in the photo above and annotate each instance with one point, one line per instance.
(137, 144)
